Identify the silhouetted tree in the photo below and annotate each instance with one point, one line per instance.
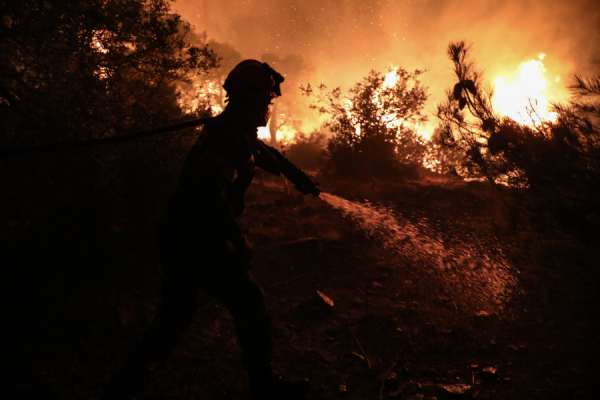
(441, 158)
(206, 90)
(374, 126)
(555, 165)
(73, 70)
(83, 69)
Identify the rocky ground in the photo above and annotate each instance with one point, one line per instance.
(357, 321)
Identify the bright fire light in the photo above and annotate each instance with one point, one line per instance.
(200, 94)
(391, 78)
(263, 133)
(98, 41)
(98, 45)
(284, 135)
(524, 99)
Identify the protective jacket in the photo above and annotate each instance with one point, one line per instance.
(216, 173)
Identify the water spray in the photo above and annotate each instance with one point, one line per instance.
(465, 269)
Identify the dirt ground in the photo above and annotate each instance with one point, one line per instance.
(389, 334)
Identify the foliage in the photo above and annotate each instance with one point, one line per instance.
(74, 69)
(556, 165)
(306, 150)
(374, 126)
(441, 158)
(207, 90)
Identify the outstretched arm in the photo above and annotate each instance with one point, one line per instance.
(272, 161)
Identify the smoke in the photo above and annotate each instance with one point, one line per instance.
(344, 39)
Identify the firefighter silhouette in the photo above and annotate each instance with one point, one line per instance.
(202, 245)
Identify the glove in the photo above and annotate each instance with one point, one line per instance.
(311, 188)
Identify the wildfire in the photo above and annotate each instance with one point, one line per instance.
(391, 78)
(263, 132)
(200, 94)
(284, 135)
(524, 98)
(98, 41)
(97, 44)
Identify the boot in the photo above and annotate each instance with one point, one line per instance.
(154, 347)
(256, 345)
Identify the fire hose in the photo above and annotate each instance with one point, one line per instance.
(97, 142)
(302, 181)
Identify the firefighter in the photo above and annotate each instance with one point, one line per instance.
(203, 246)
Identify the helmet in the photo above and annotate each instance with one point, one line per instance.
(254, 77)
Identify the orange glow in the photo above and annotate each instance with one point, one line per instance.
(263, 133)
(390, 80)
(391, 121)
(524, 98)
(285, 134)
(97, 41)
(98, 45)
(201, 93)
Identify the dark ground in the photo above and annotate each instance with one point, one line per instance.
(76, 301)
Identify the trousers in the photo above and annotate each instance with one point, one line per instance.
(192, 262)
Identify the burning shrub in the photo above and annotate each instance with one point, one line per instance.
(374, 125)
(555, 163)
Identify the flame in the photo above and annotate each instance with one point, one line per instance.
(97, 44)
(524, 99)
(284, 134)
(391, 78)
(98, 39)
(392, 121)
(263, 133)
(200, 94)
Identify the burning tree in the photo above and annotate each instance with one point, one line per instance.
(287, 109)
(555, 165)
(205, 91)
(375, 125)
